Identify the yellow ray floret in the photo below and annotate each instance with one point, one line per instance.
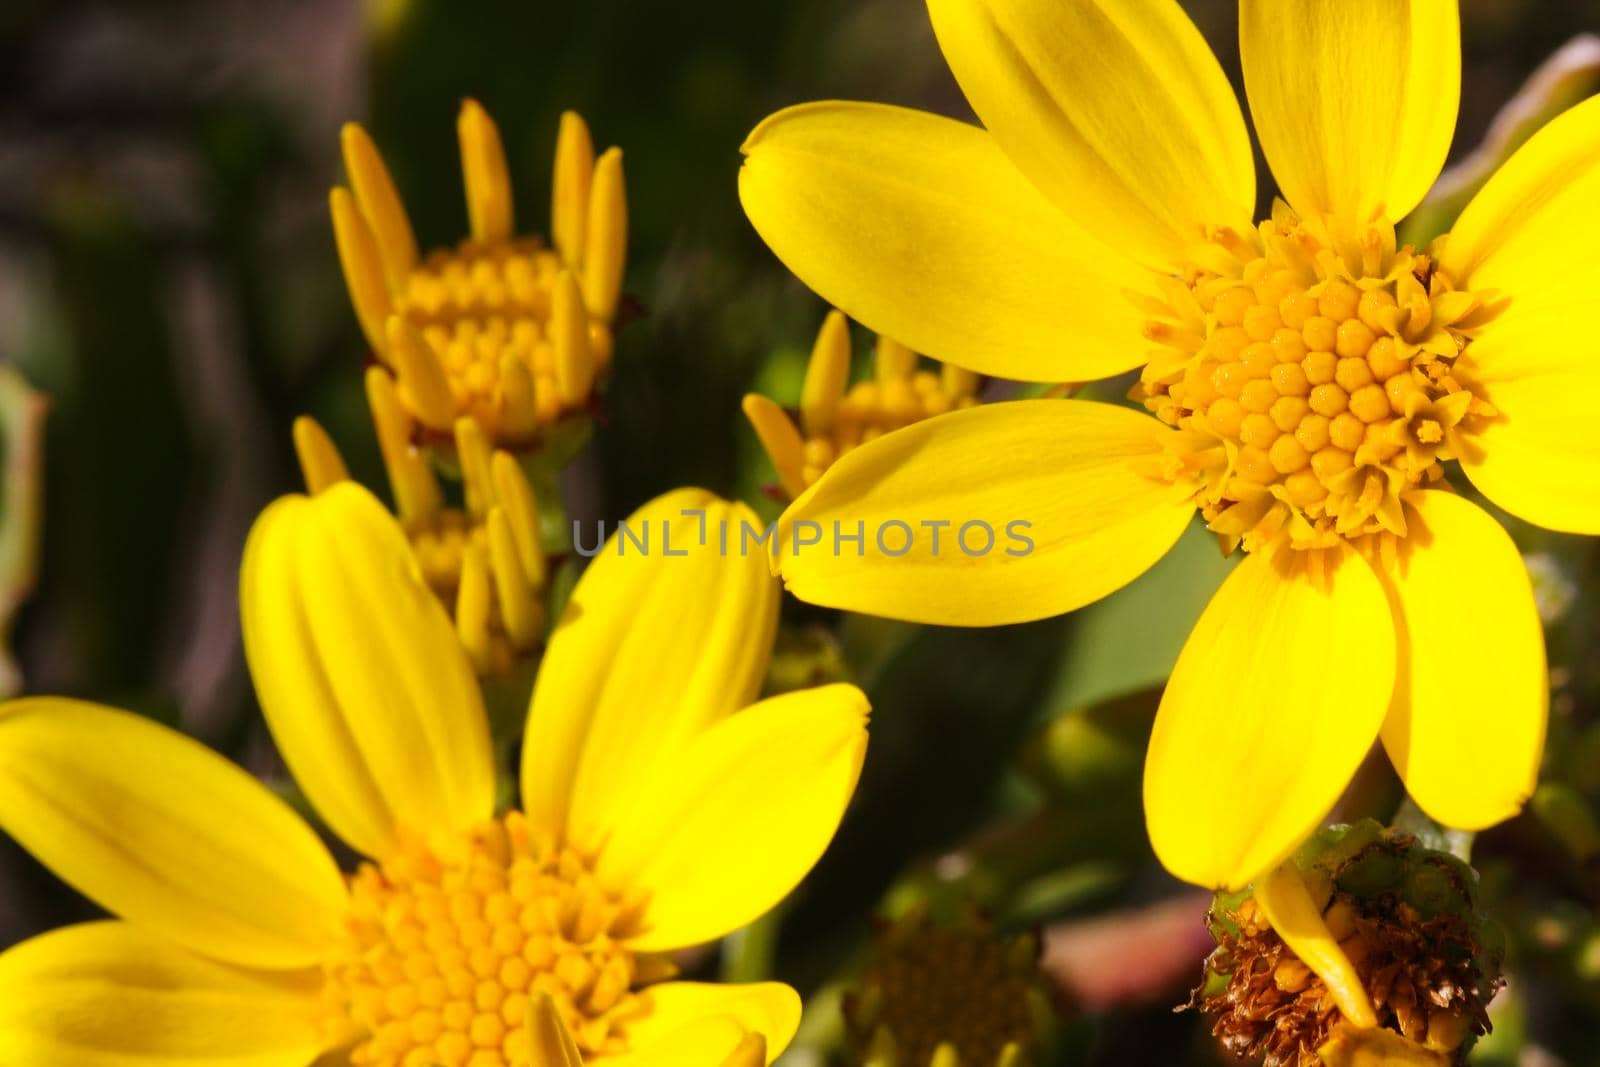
(835, 417)
(1313, 382)
(484, 559)
(505, 329)
(466, 936)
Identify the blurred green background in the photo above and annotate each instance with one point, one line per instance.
(168, 279)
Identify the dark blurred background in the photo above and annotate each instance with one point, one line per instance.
(168, 279)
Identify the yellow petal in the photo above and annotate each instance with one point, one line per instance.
(1467, 727)
(1527, 234)
(780, 440)
(484, 173)
(367, 691)
(107, 994)
(1354, 100)
(656, 643)
(380, 203)
(166, 833)
(363, 267)
(320, 462)
(695, 1023)
(722, 832)
(921, 228)
(1116, 109)
(1353, 1046)
(1297, 918)
(1057, 482)
(569, 192)
(605, 250)
(1277, 695)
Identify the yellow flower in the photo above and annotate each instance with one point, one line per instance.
(1374, 953)
(655, 814)
(1308, 377)
(502, 328)
(834, 420)
(485, 560)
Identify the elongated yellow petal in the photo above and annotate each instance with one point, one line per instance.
(515, 495)
(320, 462)
(1277, 695)
(519, 604)
(368, 694)
(827, 373)
(569, 195)
(780, 440)
(921, 228)
(421, 374)
(1116, 109)
(606, 237)
(1527, 235)
(569, 336)
(484, 173)
(993, 515)
(108, 994)
(654, 646)
(380, 203)
(690, 1024)
(417, 496)
(163, 831)
(755, 799)
(1354, 100)
(1467, 727)
(474, 607)
(1297, 918)
(363, 267)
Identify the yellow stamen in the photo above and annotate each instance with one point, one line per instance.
(363, 266)
(484, 172)
(605, 237)
(1287, 903)
(380, 203)
(569, 200)
(320, 462)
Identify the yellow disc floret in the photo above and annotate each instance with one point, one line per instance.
(443, 955)
(1315, 380)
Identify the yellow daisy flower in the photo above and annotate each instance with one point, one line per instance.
(1308, 379)
(655, 814)
(502, 328)
(834, 419)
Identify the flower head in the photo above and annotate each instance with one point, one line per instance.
(948, 994)
(508, 330)
(1375, 945)
(1310, 379)
(657, 811)
(835, 418)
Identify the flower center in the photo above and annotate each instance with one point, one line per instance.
(1315, 380)
(483, 304)
(442, 956)
(930, 985)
